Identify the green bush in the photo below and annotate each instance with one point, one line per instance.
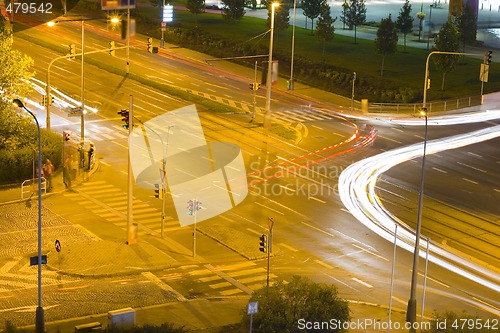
(17, 163)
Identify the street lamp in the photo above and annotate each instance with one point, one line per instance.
(269, 67)
(411, 313)
(290, 87)
(82, 117)
(40, 321)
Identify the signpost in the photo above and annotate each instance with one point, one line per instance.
(74, 112)
(253, 307)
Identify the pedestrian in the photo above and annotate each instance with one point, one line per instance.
(91, 154)
(48, 170)
(67, 172)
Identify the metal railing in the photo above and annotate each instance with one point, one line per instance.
(438, 106)
(31, 186)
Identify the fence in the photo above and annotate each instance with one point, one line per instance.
(436, 106)
(31, 186)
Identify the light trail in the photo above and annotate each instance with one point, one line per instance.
(357, 192)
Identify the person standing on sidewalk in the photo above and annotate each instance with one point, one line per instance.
(67, 172)
(48, 170)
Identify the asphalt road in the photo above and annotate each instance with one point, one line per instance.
(314, 234)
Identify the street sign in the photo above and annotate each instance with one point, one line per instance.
(34, 260)
(76, 111)
(58, 245)
(253, 308)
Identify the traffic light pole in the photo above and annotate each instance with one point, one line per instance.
(130, 238)
(269, 247)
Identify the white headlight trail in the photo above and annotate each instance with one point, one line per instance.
(357, 192)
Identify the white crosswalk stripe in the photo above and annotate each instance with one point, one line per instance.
(114, 208)
(301, 116)
(230, 279)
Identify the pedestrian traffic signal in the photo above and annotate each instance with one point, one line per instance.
(72, 51)
(251, 86)
(263, 243)
(112, 48)
(125, 119)
(158, 192)
(150, 45)
(67, 136)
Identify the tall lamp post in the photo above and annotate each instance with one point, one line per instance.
(290, 87)
(269, 67)
(40, 320)
(82, 101)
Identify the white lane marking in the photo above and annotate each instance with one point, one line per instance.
(474, 154)
(289, 247)
(370, 252)
(362, 282)
(386, 138)
(323, 264)
(320, 128)
(470, 166)
(274, 210)
(439, 170)
(470, 181)
(345, 284)
(318, 200)
(434, 280)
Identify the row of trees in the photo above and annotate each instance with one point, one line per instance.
(454, 34)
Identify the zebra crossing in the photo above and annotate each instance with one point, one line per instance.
(96, 132)
(301, 115)
(17, 274)
(109, 202)
(225, 280)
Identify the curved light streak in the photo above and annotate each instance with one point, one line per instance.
(357, 192)
(445, 119)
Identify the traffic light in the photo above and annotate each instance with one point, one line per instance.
(190, 207)
(150, 44)
(489, 57)
(67, 136)
(72, 51)
(44, 100)
(254, 86)
(124, 114)
(353, 76)
(50, 100)
(158, 192)
(263, 243)
(112, 48)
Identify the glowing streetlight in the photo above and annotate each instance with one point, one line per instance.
(269, 67)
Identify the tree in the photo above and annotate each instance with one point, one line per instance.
(467, 24)
(324, 26)
(386, 40)
(196, 7)
(404, 22)
(233, 10)
(14, 66)
(281, 16)
(447, 40)
(355, 14)
(283, 307)
(311, 9)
